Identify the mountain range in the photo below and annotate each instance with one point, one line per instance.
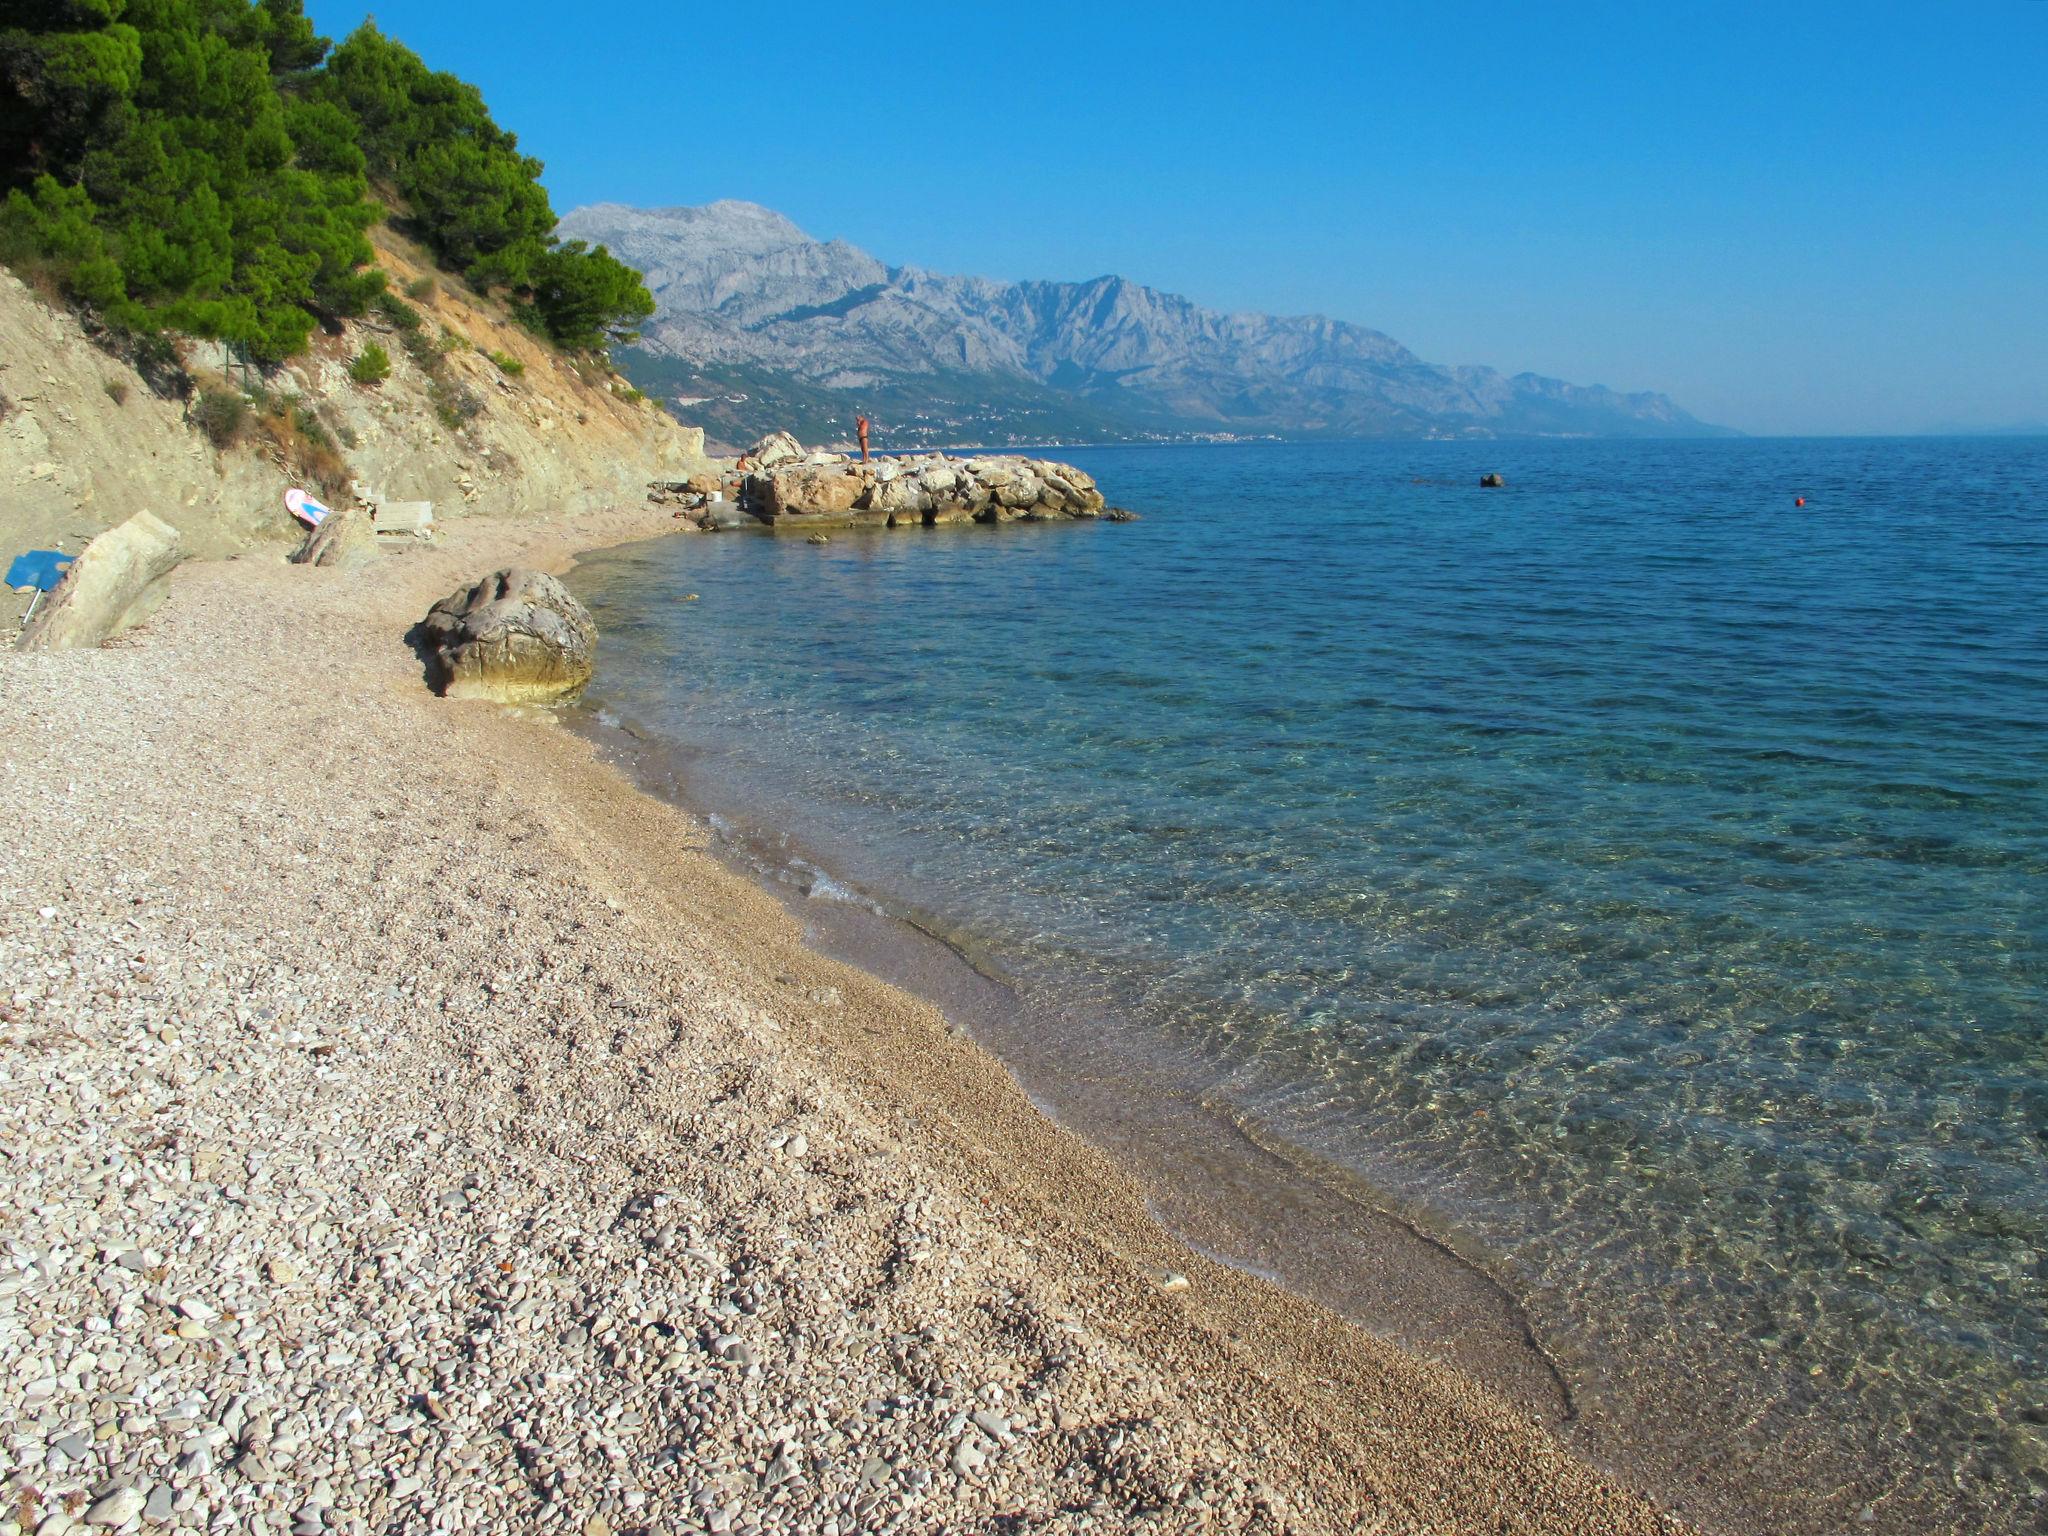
(758, 326)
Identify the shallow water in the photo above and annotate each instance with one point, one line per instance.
(1632, 880)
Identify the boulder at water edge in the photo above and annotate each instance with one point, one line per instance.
(516, 636)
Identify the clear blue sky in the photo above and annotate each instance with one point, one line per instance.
(1792, 218)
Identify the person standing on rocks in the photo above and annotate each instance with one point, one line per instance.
(860, 430)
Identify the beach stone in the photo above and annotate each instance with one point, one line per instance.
(117, 1507)
(343, 540)
(516, 636)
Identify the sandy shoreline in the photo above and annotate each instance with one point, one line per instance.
(410, 1124)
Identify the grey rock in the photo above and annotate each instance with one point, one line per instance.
(516, 636)
(117, 1507)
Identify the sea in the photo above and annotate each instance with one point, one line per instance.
(1593, 931)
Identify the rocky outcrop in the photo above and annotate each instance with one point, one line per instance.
(517, 636)
(86, 438)
(774, 449)
(104, 584)
(917, 491)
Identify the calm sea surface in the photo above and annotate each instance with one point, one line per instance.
(1637, 883)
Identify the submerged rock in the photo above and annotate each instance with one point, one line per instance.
(516, 636)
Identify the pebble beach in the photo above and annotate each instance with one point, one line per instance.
(408, 1125)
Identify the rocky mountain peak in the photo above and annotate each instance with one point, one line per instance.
(746, 298)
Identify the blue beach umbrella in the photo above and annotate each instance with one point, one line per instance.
(39, 568)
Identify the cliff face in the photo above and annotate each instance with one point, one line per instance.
(85, 441)
(754, 312)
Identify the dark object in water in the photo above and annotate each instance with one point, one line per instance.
(1119, 515)
(1491, 481)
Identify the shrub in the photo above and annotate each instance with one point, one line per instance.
(398, 312)
(371, 367)
(508, 364)
(117, 391)
(420, 289)
(456, 406)
(221, 414)
(304, 446)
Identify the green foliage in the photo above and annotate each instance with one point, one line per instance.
(398, 312)
(508, 365)
(204, 166)
(420, 289)
(169, 173)
(117, 391)
(477, 201)
(588, 298)
(222, 415)
(71, 69)
(372, 366)
(456, 405)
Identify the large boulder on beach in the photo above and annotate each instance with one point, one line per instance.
(104, 584)
(517, 636)
(343, 540)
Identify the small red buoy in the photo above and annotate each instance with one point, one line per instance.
(1798, 501)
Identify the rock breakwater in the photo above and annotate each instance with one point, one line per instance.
(919, 491)
(778, 482)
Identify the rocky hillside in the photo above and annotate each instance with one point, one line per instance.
(476, 416)
(760, 326)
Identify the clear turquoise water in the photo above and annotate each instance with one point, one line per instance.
(1635, 877)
